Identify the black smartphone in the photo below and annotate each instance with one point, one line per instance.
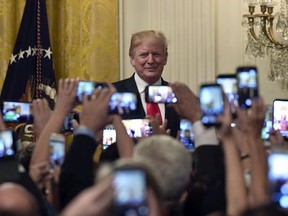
(57, 149)
(87, 88)
(280, 116)
(247, 83)
(17, 112)
(267, 126)
(109, 136)
(137, 128)
(211, 103)
(8, 161)
(68, 122)
(123, 103)
(278, 177)
(160, 94)
(229, 86)
(130, 192)
(186, 134)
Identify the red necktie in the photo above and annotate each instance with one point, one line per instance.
(152, 110)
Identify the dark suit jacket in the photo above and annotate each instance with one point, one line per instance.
(129, 85)
(77, 172)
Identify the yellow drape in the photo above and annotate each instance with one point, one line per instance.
(83, 34)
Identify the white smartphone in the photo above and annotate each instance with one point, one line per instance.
(57, 149)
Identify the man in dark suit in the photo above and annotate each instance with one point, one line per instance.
(148, 55)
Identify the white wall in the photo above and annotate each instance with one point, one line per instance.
(206, 39)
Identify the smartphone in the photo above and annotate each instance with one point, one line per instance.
(109, 136)
(137, 128)
(247, 83)
(8, 162)
(280, 116)
(57, 149)
(87, 88)
(229, 86)
(160, 94)
(278, 177)
(17, 112)
(267, 126)
(8, 147)
(211, 103)
(123, 103)
(186, 134)
(130, 192)
(68, 122)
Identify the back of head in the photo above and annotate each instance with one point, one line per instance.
(169, 162)
(155, 37)
(15, 200)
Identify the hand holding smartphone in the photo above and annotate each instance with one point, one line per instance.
(247, 79)
(211, 103)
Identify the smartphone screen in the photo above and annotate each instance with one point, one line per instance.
(267, 127)
(123, 103)
(278, 178)
(130, 192)
(57, 149)
(8, 162)
(247, 79)
(186, 134)
(229, 86)
(211, 103)
(280, 116)
(137, 128)
(68, 122)
(109, 136)
(17, 112)
(87, 88)
(160, 94)
(8, 147)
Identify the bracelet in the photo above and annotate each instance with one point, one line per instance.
(244, 156)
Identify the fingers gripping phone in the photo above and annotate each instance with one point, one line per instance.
(247, 79)
(130, 192)
(211, 103)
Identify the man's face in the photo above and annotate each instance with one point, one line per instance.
(149, 60)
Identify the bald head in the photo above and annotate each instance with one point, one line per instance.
(16, 200)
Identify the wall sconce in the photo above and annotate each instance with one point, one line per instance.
(267, 35)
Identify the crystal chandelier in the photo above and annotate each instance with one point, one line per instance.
(267, 35)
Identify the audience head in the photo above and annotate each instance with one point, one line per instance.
(148, 54)
(17, 201)
(170, 163)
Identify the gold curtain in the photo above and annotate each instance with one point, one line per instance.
(83, 35)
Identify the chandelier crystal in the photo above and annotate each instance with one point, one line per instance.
(267, 35)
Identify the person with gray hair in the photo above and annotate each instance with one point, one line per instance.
(170, 163)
